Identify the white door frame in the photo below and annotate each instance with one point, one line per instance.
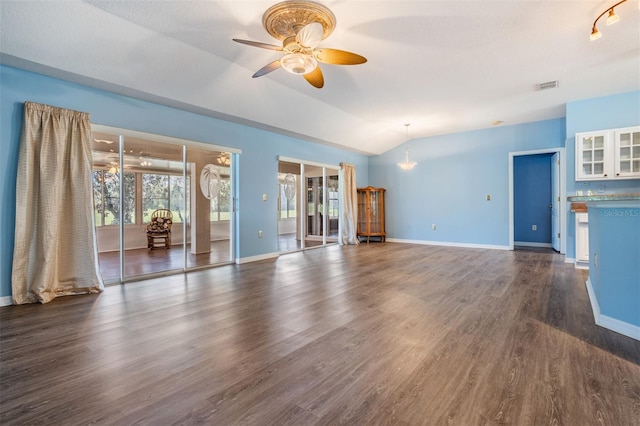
(562, 205)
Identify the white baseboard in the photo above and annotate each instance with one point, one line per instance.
(257, 258)
(447, 244)
(6, 301)
(529, 244)
(605, 321)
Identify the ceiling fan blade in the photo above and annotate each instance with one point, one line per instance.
(272, 66)
(338, 57)
(310, 35)
(259, 44)
(315, 78)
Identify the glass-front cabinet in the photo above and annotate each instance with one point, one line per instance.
(591, 155)
(371, 213)
(627, 151)
(608, 154)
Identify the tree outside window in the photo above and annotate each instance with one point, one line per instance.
(161, 191)
(106, 198)
(220, 204)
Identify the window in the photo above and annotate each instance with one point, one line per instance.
(334, 202)
(161, 191)
(287, 183)
(220, 204)
(106, 200)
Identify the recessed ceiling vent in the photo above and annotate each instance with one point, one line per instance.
(548, 85)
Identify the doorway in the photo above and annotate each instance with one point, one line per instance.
(556, 178)
(308, 205)
(137, 175)
(532, 200)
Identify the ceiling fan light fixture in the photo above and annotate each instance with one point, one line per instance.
(612, 18)
(298, 63)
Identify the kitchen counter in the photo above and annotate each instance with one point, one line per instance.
(604, 197)
(614, 260)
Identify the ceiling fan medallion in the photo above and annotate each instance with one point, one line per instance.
(301, 26)
(286, 18)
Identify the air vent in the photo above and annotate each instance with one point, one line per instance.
(548, 85)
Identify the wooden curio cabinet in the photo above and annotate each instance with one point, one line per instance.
(371, 213)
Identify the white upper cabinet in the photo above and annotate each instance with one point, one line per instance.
(627, 152)
(608, 154)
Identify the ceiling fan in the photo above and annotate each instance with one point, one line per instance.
(301, 25)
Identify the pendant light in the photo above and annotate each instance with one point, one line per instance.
(406, 164)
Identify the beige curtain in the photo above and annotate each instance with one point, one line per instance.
(349, 205)
(55, 252)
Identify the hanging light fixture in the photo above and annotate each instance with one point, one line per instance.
(611, 19)
(406, 164)
(224, 159)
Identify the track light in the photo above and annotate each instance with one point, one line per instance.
(611, 19)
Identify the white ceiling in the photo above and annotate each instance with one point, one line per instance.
(443, 66)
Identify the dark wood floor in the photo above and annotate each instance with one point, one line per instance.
(146, 261)
(369, 334)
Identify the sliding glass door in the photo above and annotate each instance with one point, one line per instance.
(160, 206)
(210, 231)
(312, 190)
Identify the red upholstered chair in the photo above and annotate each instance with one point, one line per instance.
(159, 229)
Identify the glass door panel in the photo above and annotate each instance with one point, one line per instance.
(314, 206)
(333, 205)
(209, 227)
(106, 203)
(288, 206)
(153, 243)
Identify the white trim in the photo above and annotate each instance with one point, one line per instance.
(447, 244)
(308, 163)
(607, 322)
(161, 138)
(249, 259)
(563, 190)
(6, 300)
(529, 244)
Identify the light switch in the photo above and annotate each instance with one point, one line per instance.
(264, 197)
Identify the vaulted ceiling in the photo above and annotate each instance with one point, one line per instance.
(443, 66)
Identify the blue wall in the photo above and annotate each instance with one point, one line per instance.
(447, 188)
(531, 198)
(609, 112)
(449, 185)
(258, 163)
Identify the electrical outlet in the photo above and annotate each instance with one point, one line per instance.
(433, 226)
(264, 197)
(534, 227)
(259, 234)
(488, 197)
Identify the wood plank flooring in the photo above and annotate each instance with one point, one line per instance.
(370, 334)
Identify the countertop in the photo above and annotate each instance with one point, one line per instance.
(604, 197)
